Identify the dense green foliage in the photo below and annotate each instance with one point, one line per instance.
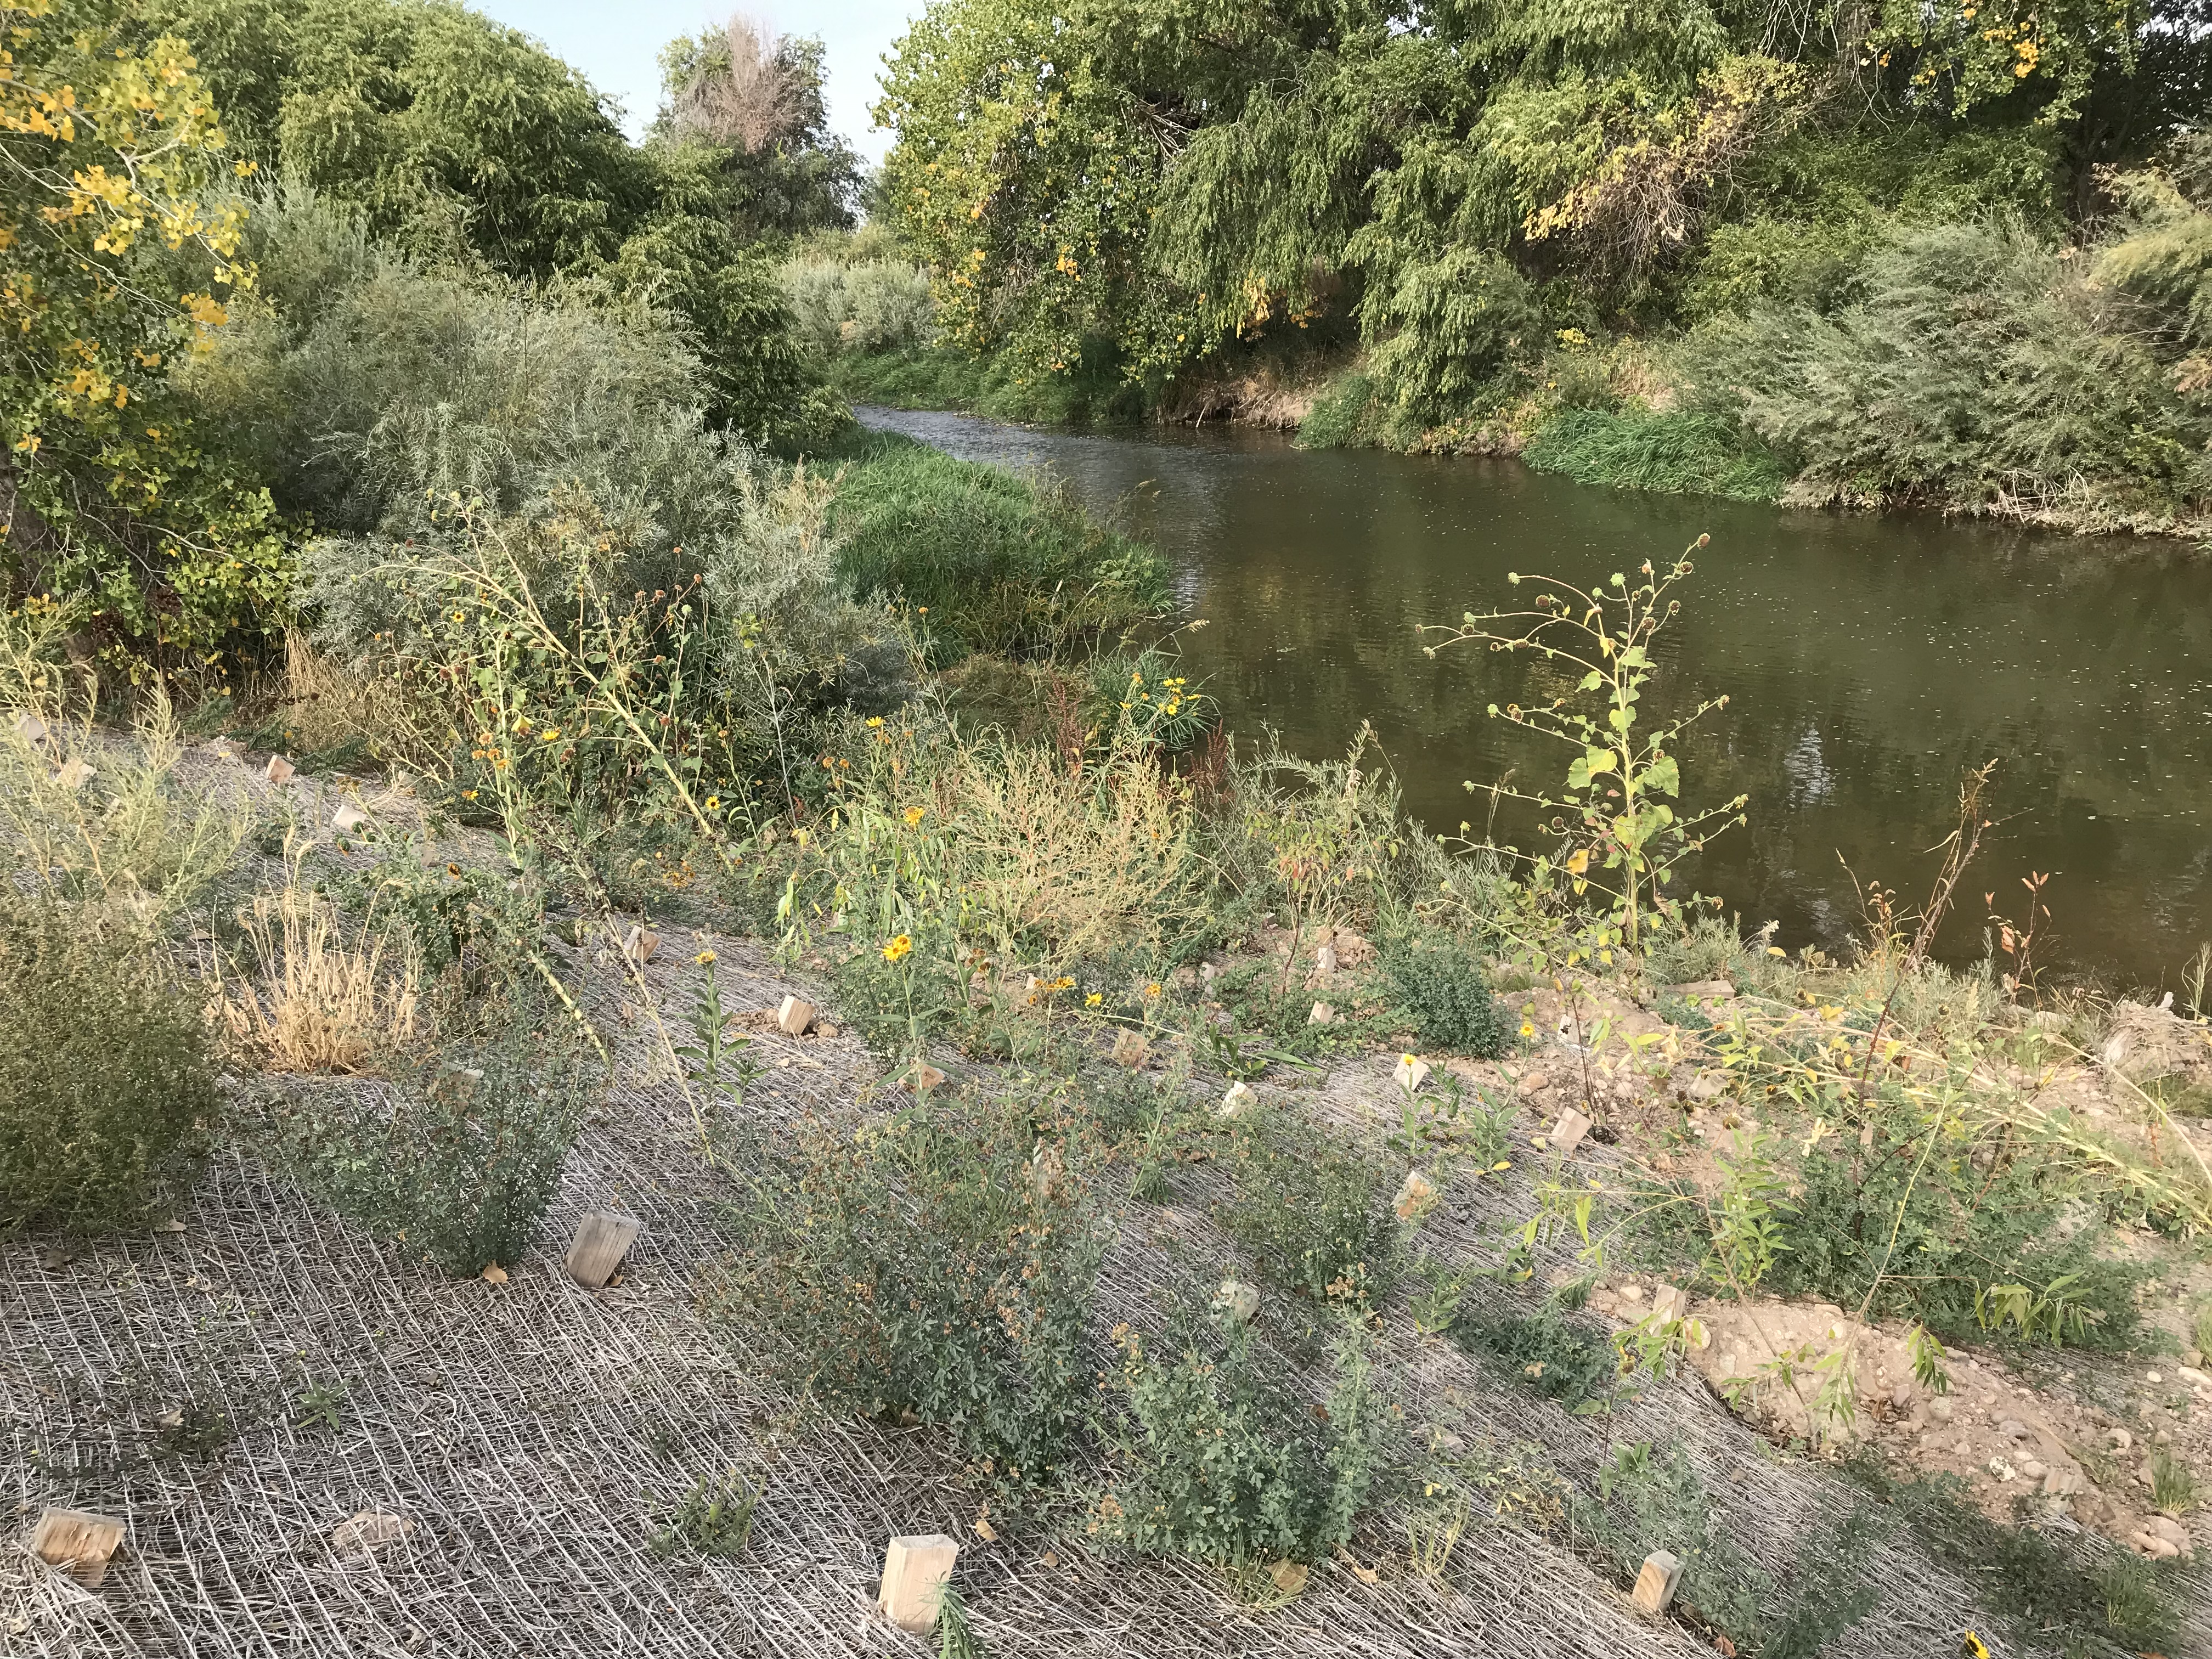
(404, 168)
(1961, 1225)
(1219, 1466)
(1444, 989)
(107, 1089)
(1541, 1353)
(986, 560)
(1471, 197)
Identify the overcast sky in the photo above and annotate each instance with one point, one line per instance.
(616, 44)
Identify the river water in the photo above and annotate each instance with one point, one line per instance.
(1868, 662)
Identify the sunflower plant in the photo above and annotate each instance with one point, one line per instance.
(1616, 827)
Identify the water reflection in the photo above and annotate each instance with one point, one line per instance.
(1869, 662)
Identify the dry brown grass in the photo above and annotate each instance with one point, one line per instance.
(316, 996)
(323, 705)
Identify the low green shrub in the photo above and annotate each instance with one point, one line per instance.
(2027, 1578)
(1673, 452)
(1216, 1465)
(1650, 1502)
(1974, 1218)
(938, 1260)
(988, 561)
(1542, 1354)
(1442, 987)
(455, 1147)
(106, 1087)
(1311, 1212)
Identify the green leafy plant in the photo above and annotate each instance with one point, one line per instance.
(717, 1063)
(955, 1628)
(1214, 1465)
(1624, 837)
(940, 1261)
(1745, 1216)
(1440, 982)
(1544, 1355)
(1310, 1211)
(2059, 1313)
(1927, 1356)
(320, 1405)
(108, 1088)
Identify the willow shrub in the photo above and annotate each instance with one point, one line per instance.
(1978, 369)
(938, 1260)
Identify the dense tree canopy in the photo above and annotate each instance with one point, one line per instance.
(1458, 175)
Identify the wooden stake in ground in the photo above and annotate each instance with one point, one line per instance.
(1655, 1585)
(279, 770)
(914, 1574)
(78, 1543)
(603, 1238)
(1567, 1133)
(793, 1016)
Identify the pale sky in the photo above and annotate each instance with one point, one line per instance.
(616, 45)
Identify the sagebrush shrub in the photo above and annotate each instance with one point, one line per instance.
(107, 1088)
(456, 1148)
(940, 1261)
(1443, 989)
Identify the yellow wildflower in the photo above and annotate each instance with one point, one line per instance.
(898, 948)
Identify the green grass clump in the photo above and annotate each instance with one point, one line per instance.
(106, 1087)
(1672, 454)
(988, 561)
(1963, 1227)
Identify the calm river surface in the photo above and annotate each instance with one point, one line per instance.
(1868, 662)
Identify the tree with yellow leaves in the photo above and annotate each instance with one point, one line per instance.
(120, 245)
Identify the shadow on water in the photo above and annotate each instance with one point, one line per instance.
(1869, 662)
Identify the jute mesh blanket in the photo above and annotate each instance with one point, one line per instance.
(535, 1438)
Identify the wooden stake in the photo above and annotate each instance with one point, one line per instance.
(78, 1543)
(914, 1574)
(602, 1239)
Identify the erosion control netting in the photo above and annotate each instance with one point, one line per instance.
(536, 1437)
